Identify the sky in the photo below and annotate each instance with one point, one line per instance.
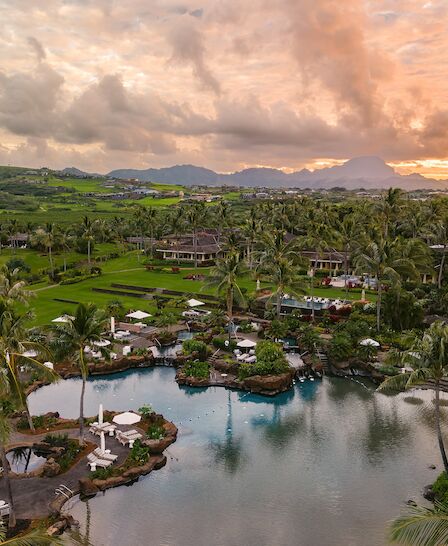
(226, 84)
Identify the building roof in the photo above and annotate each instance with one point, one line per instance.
(201, 249)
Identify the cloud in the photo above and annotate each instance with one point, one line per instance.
(224, 84)
(188, 47)
(37, 47)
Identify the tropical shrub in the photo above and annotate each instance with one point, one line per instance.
(340, 348)
(155, 432)
(198, 369)
(270, 361)
(224, 344)
(191, 346)
(139, 454)
(145, 410)
(440, 487)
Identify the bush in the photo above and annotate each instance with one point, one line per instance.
(270, 361)
(102, 473)
(155, 432)
(139, 454)
(18, 263)
(341, 347)
(198, 369)
(191, 346)
(440, 487)
(145, 410)
(220, 343)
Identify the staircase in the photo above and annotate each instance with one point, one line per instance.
(323, 358)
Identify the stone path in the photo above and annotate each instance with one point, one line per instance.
(33, 495)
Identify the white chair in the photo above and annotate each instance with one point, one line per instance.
(251, 359)
(127, 349)
(4, 508)
(106, 455)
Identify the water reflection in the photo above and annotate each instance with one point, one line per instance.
(329, 463)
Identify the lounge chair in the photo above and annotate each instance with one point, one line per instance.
(104, 455)
(128, 438)
(251, 359)
(95, 461)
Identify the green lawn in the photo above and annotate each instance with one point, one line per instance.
(79, 184)
(128, 270)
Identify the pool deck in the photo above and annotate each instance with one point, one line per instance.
(32, 496)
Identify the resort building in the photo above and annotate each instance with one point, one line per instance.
(207, 249)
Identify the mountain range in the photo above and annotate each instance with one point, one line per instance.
(361, 172)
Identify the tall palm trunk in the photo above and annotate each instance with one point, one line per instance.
(439, 430)
(81, 402)
(88, 251)
(30, 419)
(442, 263)
(5, 465)
(346, 271)
(151, 234)
(230, 311)
(50, 257)
(378, 305)
(279, 303)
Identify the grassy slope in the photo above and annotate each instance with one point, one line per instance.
(127, 270)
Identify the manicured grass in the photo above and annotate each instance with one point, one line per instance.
(153, 202)
(128, 270)
(79, 184)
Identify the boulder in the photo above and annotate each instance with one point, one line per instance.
(51, 468)
(87, 487)
(428, 493)
(269, 384)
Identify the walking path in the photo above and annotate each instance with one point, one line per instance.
(32, 496)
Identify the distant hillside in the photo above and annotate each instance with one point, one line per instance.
(360, 172)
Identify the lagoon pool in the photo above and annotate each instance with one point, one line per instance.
(326, 464)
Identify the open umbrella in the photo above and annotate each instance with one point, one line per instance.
(102, 343)
(63, 318)
(194, 303)
(139, 315)
(246, 344)
(127, 418)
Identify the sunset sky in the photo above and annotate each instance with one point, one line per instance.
(226, 84)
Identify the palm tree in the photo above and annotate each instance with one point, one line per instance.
(12, 230)
(429, 360)
(389, 208)
(224, 276)
(16, 350)
(251, 230)
(438, 233)
(176, 223)
(283, 274)
(421, 526)
(37, 537)
(392, 261)
(222, 215)
(350, 232)
(87, 232)
(11, 288)
(71, 337)
(6, 410)
(65, 242)
(46, 237)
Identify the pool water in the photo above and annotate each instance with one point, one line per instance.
(327, 464)
(25, 459)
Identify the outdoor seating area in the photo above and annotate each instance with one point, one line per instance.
(102, 457)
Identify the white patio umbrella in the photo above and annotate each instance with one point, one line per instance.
(127, 418)
(49, 365)
(63, 318)
(194, 303)
(102, 442)
(102, 343)
(246, 344)
(368, 342)
(139, 315)
(100, 415)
